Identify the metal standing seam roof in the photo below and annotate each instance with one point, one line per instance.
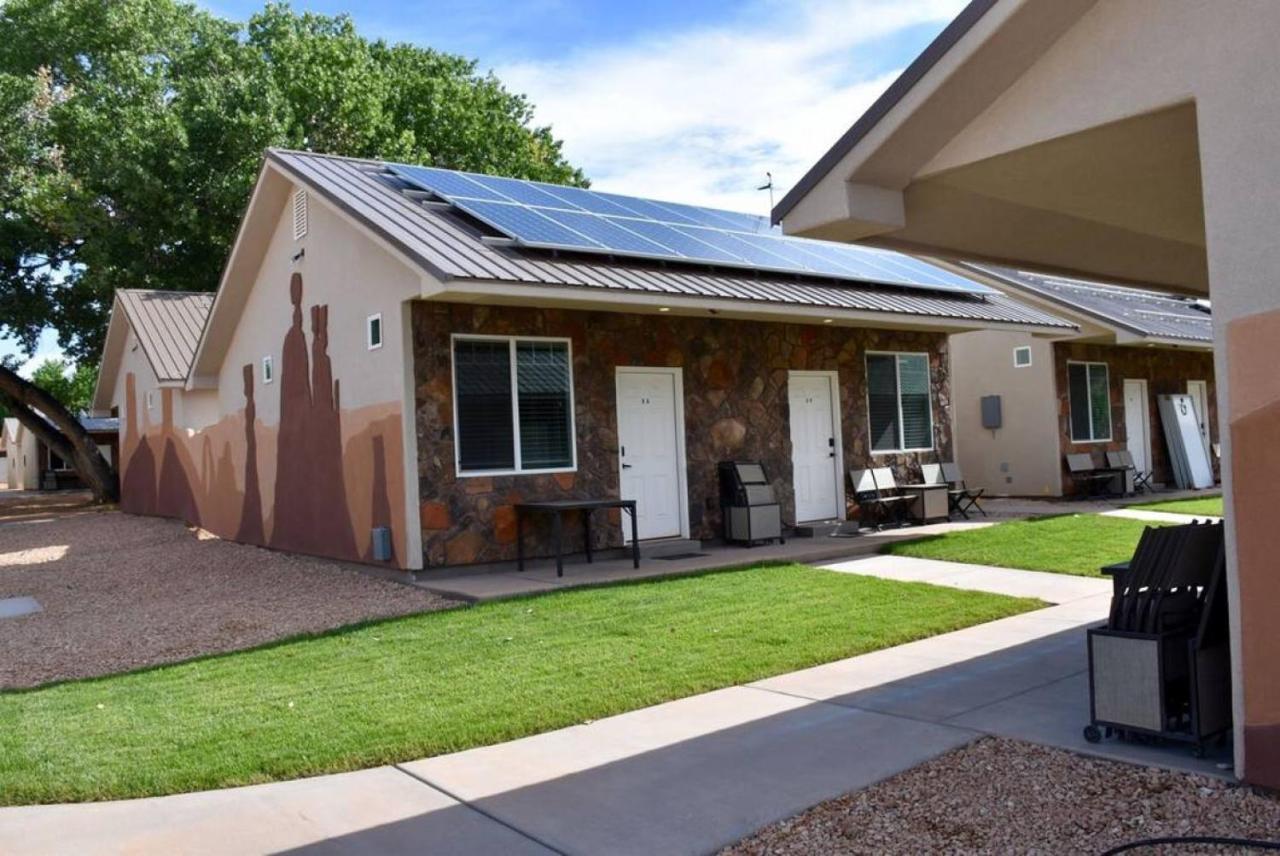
(168, 324)
(454, 248)
(1146, 312)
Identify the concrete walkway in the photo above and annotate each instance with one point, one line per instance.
(688, 776)
(539, 576)
(1157, 516)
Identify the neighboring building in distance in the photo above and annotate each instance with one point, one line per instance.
(1094, 391)
(382, 354)
(28, 464)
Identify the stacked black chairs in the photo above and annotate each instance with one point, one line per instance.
(1160, 667)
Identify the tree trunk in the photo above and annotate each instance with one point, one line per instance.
(60, 431)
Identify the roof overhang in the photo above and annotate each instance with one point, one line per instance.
(118, 328)
(1024, 136)
(856, 189)
(659, 305)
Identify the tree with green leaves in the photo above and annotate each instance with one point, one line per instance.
(71, 385)
(134, 130)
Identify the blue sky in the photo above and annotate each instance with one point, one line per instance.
(688, 101)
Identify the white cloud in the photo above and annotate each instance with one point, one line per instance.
(700, 116)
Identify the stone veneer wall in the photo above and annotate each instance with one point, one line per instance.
(1166, 372)
(735, 387)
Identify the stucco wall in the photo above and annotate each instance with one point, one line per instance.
(1166, 372)
(1020, 458)
(735, 402)
(312, 460)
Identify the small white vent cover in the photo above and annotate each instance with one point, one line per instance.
(299, 214)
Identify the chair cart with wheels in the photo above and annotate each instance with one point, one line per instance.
(1160, 667)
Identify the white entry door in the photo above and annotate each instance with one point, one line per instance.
(815, 446)
(1199, 392)
(651, 450)
(1137, 423)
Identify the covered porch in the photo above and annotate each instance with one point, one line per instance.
(1119, 140)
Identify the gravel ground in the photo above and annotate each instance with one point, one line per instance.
(120, 592)
(1005, 796)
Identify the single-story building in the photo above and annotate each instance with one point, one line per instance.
(1129, 141)
(28, 464)
(384, 352)
(1091, 391)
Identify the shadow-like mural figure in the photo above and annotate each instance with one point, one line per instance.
(138, 486)
(174, 497)
(173, 472)
(250, 529)
(310, 504)
(381, 512)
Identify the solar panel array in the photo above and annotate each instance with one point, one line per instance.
(549, 216)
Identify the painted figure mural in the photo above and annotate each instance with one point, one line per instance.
(336, 473)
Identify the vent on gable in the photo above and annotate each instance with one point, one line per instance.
(299, 214)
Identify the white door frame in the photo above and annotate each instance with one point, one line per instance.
(834, 378)
(682, 462)
(1146, 415)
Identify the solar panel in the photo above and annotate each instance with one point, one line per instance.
(548, 216)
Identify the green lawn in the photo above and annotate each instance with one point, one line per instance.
(1076, 544)
(439, 682)
(1210, 506)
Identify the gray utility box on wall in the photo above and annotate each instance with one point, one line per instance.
(991, 416)
(750, 509)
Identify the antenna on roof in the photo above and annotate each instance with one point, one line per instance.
(768, 185)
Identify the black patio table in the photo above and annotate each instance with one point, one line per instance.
(557, 508)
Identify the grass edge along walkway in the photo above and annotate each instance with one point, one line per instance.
(439, 682)
(1075, 544)
(1195, 506)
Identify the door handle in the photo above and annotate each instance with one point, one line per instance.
(626, 466)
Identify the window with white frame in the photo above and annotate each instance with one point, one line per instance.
(512, 405)
(150, 399)
(899, 406)
(1022, 356)
(268, 370)
(57, 464)
(1089, 394)
(373, 331)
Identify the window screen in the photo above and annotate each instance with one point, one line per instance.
(482, 380)
(882, 401)
(1089, 391)
(532, 430)
(542, 372)
(1021, 357)
(913, 386)
(899, 408)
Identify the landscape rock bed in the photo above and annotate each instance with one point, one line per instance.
(1005, 796)
(121, 592)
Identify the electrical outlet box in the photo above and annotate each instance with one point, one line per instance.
(991, 411)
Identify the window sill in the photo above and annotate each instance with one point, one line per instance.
(875, 452)
(474, 474)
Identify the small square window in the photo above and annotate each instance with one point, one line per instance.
(268, 370)
(1022, 357)
(373, 331)
(151, 399)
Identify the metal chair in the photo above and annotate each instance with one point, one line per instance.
(965, 497)
(869, 488)
(1123, 460)
(1087, 475)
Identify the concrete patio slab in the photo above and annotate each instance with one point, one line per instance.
(373, 811)
(1055, 714)
(501, 581)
